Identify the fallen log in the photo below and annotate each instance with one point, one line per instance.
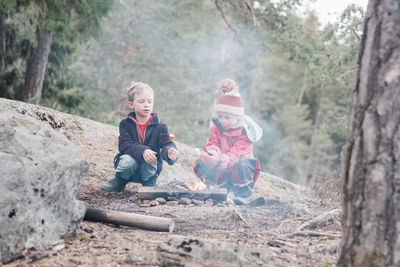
(146, 192)
(130, 219)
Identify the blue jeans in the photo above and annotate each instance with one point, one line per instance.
(133, 170)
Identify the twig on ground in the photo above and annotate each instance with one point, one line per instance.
(333, 215)
(284, 222)
(311, 234)
(240, 216)
(282, 243)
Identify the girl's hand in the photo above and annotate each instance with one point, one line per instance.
(212, 150)
(209, 159)
(149, 156)
(172, 154)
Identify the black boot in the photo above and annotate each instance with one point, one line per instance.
(115, 185)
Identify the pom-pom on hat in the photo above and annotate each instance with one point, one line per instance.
(231, 101)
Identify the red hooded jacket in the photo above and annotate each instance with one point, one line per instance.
(233, 144)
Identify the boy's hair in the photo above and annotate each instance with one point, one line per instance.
(137, 88)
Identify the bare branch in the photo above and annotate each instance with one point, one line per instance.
(251, 11)
(355, 33)
(225, 19)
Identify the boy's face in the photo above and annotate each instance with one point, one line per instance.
(227, 120)
(142, 104)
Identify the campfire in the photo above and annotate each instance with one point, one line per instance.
(185, 190)
(198, 185)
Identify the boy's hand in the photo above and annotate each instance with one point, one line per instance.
(172, 154)
(149, 156)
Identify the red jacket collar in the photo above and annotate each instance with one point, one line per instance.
(154, 120)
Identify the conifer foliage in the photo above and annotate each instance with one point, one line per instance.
(38, 37)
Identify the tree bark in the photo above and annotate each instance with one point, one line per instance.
(371, 166)
(36, 67)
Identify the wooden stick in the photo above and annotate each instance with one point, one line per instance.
(130, 219)
(146, 192)
(311, 234)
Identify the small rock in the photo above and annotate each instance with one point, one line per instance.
(172, 199)
(173, 203)
(133, 199)
(197, 202)
(273, 244)
(185, 201)
(209, 202)
(37, 256)
(154, 203)
(161, 200)
(145, 201)
(146, 205)
(58, 247)
(88, 230)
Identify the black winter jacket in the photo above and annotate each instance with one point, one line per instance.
(156, 138)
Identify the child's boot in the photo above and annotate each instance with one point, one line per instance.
(116, 184)
(242, 192)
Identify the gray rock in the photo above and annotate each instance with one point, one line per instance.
(161, 200)
(185, 201)
(209, 202)
(173, 203)
(192, 251)
(40, 178)
(197, 202)
(154, 203)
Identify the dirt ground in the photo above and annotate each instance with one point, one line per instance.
(283, 231)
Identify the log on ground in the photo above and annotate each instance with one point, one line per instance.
(145, 192)
(130, 219)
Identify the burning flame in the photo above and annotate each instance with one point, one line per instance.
(199, 185)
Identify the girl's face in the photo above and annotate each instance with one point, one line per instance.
(227, 120)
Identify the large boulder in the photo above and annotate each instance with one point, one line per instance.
(40, 178)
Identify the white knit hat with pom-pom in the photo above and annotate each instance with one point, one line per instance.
(231, 101)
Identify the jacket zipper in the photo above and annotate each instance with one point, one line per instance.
(142, 137)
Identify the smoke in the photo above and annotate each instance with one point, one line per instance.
(182, 49)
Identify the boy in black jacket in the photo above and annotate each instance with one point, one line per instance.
(143, 142)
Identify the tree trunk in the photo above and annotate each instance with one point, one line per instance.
(371, 160)
(36, 67)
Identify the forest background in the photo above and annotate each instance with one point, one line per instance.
(295, 75)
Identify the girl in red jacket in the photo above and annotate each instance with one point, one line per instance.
(227, 160)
